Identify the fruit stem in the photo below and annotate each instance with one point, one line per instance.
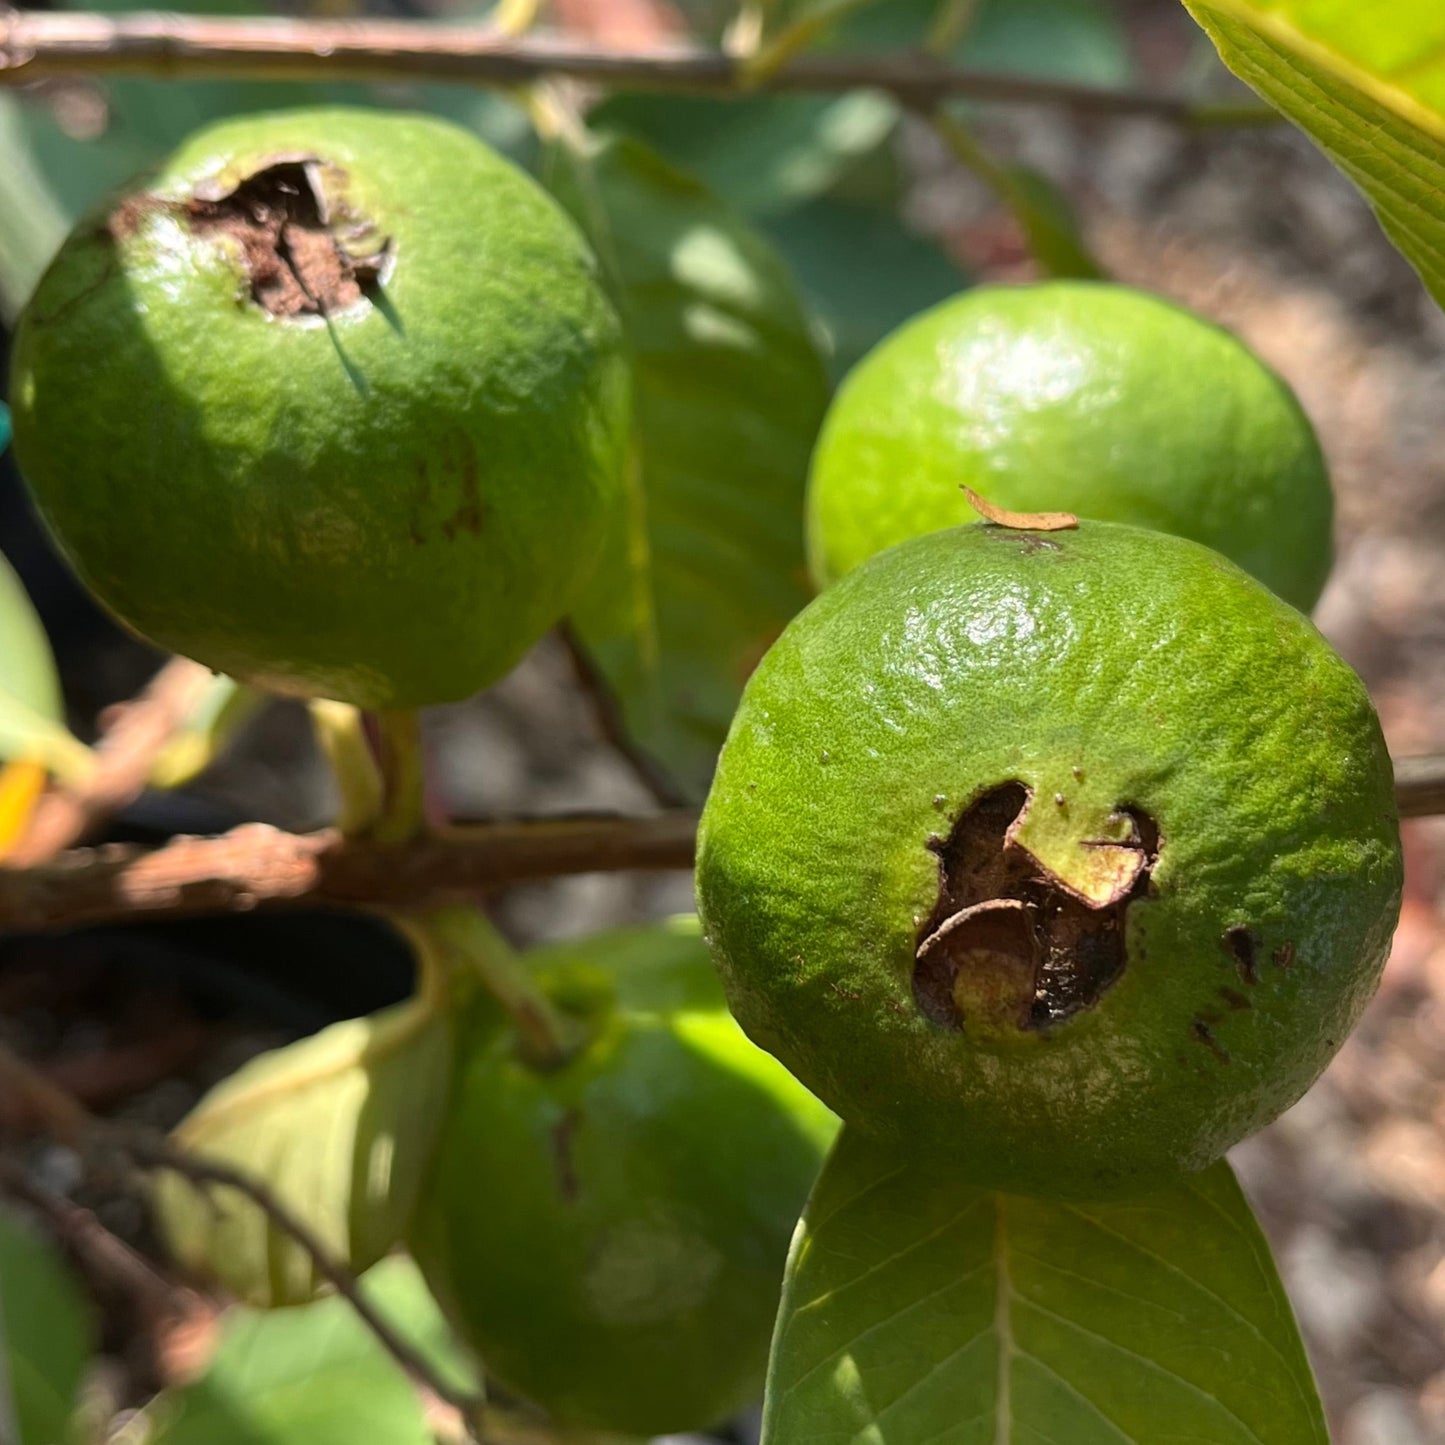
(462, 939)
(342, 738)
(396, 740)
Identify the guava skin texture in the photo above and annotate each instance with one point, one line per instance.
(374, 462)
(611, 1237)
(1169, 795)
(1072, 396)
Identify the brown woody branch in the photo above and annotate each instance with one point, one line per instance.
(256, 865)
(147, 1149)
(44, 45)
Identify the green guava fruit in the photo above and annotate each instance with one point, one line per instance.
(1080, 397)
(333, 403)
(1070, 855)
(610, 1236)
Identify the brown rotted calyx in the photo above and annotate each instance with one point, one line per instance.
(292, 243)
(1008, 943)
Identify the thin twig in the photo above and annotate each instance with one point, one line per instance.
(257, 865)
(608, 716)
(124, 756)
(41, 45)
(104, 1255)
(155, 1152)
(147, 1149)
(1420, 786)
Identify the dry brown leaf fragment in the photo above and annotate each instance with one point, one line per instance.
(1020, 521)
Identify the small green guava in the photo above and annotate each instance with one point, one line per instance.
(333, 403)
(1071, 855)
(1073, 396)
(610, 1236)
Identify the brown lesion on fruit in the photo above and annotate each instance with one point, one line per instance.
(563, 1162)
(1008, 942)
(1205, 1035)
(297, 248)
(1243, 947)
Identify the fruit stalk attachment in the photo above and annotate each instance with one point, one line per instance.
(462, 942)
(396, 741)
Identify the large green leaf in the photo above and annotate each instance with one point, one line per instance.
(340, 1127)
(918, 1308)
(1368, 84)
(32, 220)
(778, 151)
(729, 391)
(764, 154)
(309, 1376)
(862, 271)
(396, 1289)
(31, 712)
(46, 1336)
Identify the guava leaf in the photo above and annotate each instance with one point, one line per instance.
(863, 272)
(46, 1335)
(919, 1308)
(340, 1127)
(395, 1287)
(309, 1376)
(779, 151)
(764, 155)
(1367, 82)
(729, 390)
(31, 710)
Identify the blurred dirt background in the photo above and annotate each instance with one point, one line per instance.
(1252, 227)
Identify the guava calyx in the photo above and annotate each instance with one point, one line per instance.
(1013, 945)
(281, 219)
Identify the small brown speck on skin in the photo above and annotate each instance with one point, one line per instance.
(1205, 1035)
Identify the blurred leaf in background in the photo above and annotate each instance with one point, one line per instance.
(313, 1375)
(729, 392)
(46, 1336)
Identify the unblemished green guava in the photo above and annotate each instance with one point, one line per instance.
(333, 402)
(1072, 855)
(610, 1236)
(1075, 396)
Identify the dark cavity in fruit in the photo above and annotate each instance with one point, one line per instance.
(1006, 943)
(281, 220)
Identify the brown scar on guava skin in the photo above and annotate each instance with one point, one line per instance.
(289, 238)
(1008, 943)
(1201, 1031)
(564, 1165)
(1243, 948)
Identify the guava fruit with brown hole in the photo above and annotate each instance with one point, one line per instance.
(610, 1235)
(1075, 396)
(1071, 855)
(333, 403)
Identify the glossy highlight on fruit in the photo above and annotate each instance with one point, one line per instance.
(610, 1236)
(1072, 396)
(1072, 855)
(333, 403)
